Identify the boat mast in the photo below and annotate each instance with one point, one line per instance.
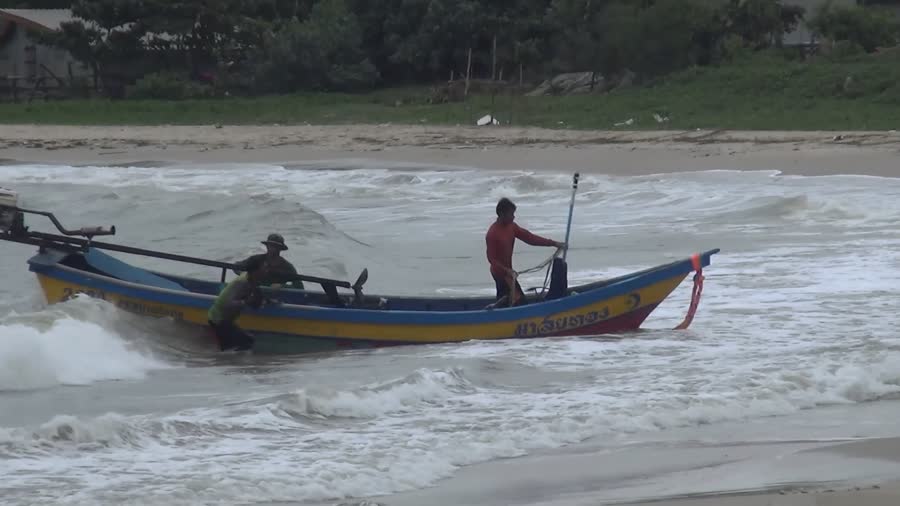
(571, 210)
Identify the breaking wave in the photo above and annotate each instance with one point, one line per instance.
(794, 317)
(409, 394)
(67, 347)
(397, 435)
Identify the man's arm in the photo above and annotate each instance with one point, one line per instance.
(533, 239)
(241, 266)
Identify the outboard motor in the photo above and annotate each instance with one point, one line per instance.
(11, 219)
(559, 280)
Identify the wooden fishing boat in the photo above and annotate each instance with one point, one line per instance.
(308, 320)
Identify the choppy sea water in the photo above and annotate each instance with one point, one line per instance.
(798, 320)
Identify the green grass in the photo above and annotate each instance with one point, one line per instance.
(762, 93)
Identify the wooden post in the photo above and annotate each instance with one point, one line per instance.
(521, 78)
(493, 94)
(468, 73)
(494, 61)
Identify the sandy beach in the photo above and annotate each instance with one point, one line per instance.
(491, 147)
(874, 496)
(771, 472)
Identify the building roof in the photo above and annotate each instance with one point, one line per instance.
(40, 19)
(52, 19)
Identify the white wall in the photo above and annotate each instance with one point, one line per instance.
(14, 55)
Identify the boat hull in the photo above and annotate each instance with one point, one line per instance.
(292, 328)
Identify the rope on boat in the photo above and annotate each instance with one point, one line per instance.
(695, 293)
(541, 265)
(546, 263)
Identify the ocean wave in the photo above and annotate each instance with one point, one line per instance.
(411, 393)
(786, 325)
(793, 207)
(397, 435)
(67, 346)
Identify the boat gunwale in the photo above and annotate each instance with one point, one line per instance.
(386, 316)
(593, 285)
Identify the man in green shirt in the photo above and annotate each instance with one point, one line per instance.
(278, 270)
(243, 291)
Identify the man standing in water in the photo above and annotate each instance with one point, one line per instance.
(278, 270)
(242, 291)
(500, 239)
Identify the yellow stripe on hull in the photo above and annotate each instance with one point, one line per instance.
(567, 321)
(56, 291)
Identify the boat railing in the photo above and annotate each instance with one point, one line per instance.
(83, 239)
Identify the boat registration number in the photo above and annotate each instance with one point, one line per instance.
(555, 325)
(130, 305)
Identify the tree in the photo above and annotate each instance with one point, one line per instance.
(869, 27)
(285, 45)
(762, 23)
(209, 34)
(323, 53)
(580, 29)
(125, 39)
(35, 4)
(110, 41)
(443, 36)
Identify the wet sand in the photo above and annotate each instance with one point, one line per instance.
(879, 496)
(491, 147)
(758, 473)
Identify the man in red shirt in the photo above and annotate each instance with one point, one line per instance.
(500, 239)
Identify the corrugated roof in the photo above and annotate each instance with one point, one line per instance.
(46, 18)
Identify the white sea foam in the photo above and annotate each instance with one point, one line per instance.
(49, 348)
(799, 311)
(405, 434)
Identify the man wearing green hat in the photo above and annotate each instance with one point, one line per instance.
(278, 270)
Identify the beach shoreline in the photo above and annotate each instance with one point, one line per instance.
(857, 472)
(875, 495)
(620, 153)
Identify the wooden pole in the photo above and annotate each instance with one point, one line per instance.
(493, 95)
(468, 73)
(571, 208)
(494, 61)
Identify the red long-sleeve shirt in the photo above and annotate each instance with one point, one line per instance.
(501, 239)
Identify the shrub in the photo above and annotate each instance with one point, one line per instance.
(868, 27)
(167, 86)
